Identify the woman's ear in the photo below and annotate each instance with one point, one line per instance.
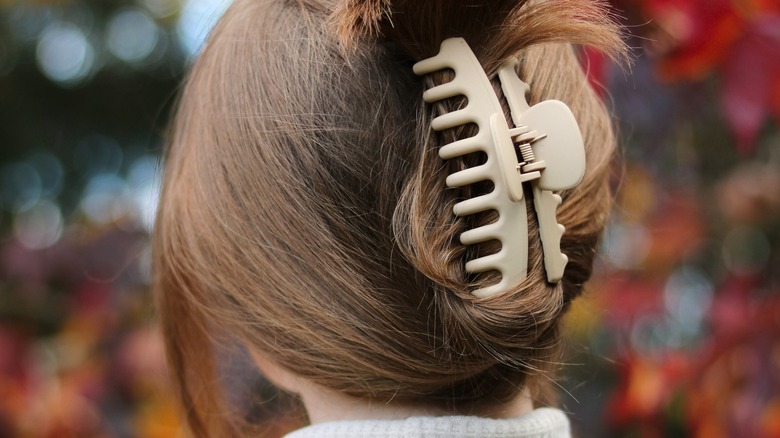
(276, 374)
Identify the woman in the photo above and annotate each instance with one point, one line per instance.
(305, 213)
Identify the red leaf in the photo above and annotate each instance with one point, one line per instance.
(749, 78)
(702, 33)
(776, 100)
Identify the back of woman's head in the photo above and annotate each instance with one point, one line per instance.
(305, 213)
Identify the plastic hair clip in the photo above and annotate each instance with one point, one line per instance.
(544, 148)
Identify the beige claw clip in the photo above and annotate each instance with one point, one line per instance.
(544, 148)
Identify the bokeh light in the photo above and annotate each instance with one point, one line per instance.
(28, 20)
(51, 173)
(40, 226)
(132, 35)
(196, 20)
(687, 300)
(625, 244)
(64, 54)
(105, 198)
(21, 186)
(162, 9)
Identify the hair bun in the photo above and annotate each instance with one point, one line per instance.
(494, 29)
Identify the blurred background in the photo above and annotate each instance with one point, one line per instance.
(678, 334)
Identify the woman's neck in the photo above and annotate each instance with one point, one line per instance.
(324, 405)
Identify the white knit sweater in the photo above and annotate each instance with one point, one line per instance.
(540, 423)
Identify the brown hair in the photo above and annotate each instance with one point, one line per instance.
(304, 209)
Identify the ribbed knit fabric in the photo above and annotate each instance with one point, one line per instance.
(540, 423)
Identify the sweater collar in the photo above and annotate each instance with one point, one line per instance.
(540, 423)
